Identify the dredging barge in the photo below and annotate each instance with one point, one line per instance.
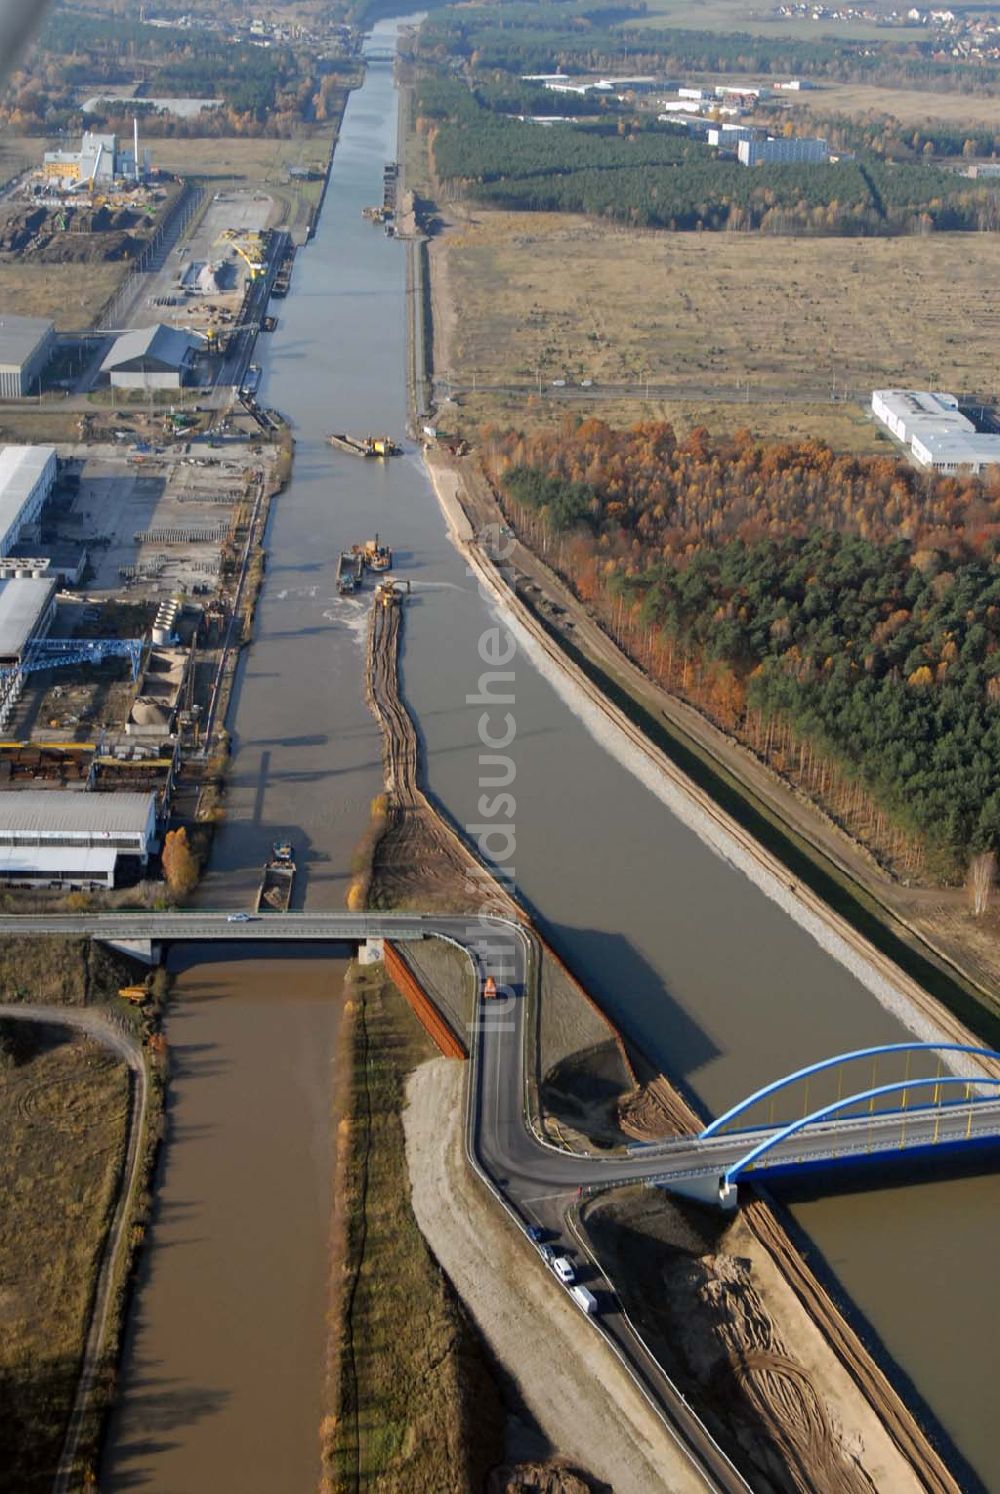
(277, 879)
(366, 446)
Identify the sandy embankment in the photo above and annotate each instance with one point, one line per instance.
(584, 1404)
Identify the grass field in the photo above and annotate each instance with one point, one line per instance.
(845, 427)
(63, 1114)
(17, 152)
(416, 1408)
(71, 295)
(255, 163)
(744, 15)
(527, 299)
(908, 105)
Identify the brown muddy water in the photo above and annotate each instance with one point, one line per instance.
(224, 1366)
(702, 970)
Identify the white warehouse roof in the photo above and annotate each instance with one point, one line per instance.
(19, 337)
(21, 469)
(950, 453)
(934, 428)
(910, 412)
(23, 603)
(84, 862)
(46, 813)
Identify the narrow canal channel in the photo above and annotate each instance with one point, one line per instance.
(711, 978)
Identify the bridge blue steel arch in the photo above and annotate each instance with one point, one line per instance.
(831, 1063)
(803, 1121)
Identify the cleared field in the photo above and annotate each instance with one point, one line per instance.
(63, 1112)
(908, 105)
(739, 15)
(252, 160)
(264, 163)
(845, 427)
(524, 300)
(71, 295)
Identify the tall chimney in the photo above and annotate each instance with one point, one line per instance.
(135, 137)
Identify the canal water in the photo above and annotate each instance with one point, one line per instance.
(223, 1376)
(706, 974)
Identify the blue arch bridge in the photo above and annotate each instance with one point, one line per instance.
(947, 1097)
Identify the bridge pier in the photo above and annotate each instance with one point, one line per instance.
(146, 950)
(711, 1189)
(371, 952)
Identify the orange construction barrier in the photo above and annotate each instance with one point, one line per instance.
(426, 1012)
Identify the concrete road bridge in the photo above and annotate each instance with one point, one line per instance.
(947, 1108)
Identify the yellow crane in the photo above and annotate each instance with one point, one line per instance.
(249, 246)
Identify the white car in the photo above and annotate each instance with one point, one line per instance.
(239, 918)
(563, 1267)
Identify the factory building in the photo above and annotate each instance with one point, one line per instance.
(938, 435)
(728, 136)
(27, 474)
(158, 357)
(796, 150)
(27, 607)
(909, 412)
(73, 838)
(100, 161)
(26, 345)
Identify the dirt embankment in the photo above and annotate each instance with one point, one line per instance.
(717, 1313)
(418, 858)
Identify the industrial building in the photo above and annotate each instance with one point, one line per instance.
(158, 357)
(53, 838)
(796, 150)
(27, 474)
(100, 161)
(909, 412)
(938, 435)
(27, 607)
(948, 454)
(26, 345)
(728, 136)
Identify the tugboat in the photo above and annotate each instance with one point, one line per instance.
(376, 556)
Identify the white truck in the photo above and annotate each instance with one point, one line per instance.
(584, 1298)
